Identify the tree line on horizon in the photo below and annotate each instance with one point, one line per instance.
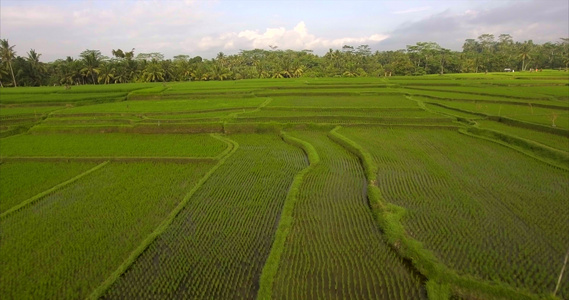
(484, 54)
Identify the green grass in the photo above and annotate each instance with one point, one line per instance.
(479, 219)
(22, 180)
(520, 92)
(548, 139)
(62, 97)
(27, 110)
(112, 145)
(299, 112)
(165, 106)
(77, 120)
(380, 101)
(434, 120)
(199, 115)
(79, 89)
(66, 244)
(334, 248)
(484, 210)
(216, 247)
(452, 112)
(526, 113)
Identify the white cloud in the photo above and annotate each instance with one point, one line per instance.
(297, 38)
(411, 10)
(147, 26)
(60, 28)
(36, 16)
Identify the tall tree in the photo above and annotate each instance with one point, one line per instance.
(3, 73)
(36, 69)
(8, 54)
(524, 53)
(505, 55)
(92, 59)
(471, 50)
(106, 73)
(153, 72)
(487, 45)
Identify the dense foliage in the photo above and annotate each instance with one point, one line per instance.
(484, 54)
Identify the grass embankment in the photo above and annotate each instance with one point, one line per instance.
(552, 140)
(489, 220)
(105, 285)
(334, 240)
(440, 263)
(217, 245)
(20, 181)
(112, 145)
(286, 219)
(37, 197)
(65, 245)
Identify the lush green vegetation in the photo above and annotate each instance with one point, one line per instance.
(66, 244)
(483, 210)
(217, 245)
(23, 180)
(20, 111)
(435, 187)
(528, 113)
(376, 101)
(552, 140)
(165, 106)
(335, 248)
(487, 53)
(112, 145)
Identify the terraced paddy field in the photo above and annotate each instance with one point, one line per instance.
(335, 248)
(482, 210)
(430, 187)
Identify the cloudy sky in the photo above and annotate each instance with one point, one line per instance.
(60, 28)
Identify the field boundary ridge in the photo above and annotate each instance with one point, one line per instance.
(39, 196)
(441, 280)
(109, 158)
(553, 157)
(286, 219)
(105, 285)
(148, 128)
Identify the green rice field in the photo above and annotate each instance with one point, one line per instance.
(423, 187)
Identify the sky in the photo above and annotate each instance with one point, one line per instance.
(60, 28)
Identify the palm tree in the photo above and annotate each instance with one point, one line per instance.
(7, 53)
(2, 73)
(298, 70)
(91, 59)
(218, 72)
(524, 54)
(106, 73)
(221, 59)
(153, 72)
(37, 69)
(121, 74)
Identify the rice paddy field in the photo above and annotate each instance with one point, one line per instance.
(427, 187)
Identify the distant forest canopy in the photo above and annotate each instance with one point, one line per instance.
(484, 54)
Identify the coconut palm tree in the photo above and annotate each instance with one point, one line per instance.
(218, 72)
(106, 73)
(37, 70)
(153, 72)
(524, 54)
(92, 59)
(3, 73)
(7, 53)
